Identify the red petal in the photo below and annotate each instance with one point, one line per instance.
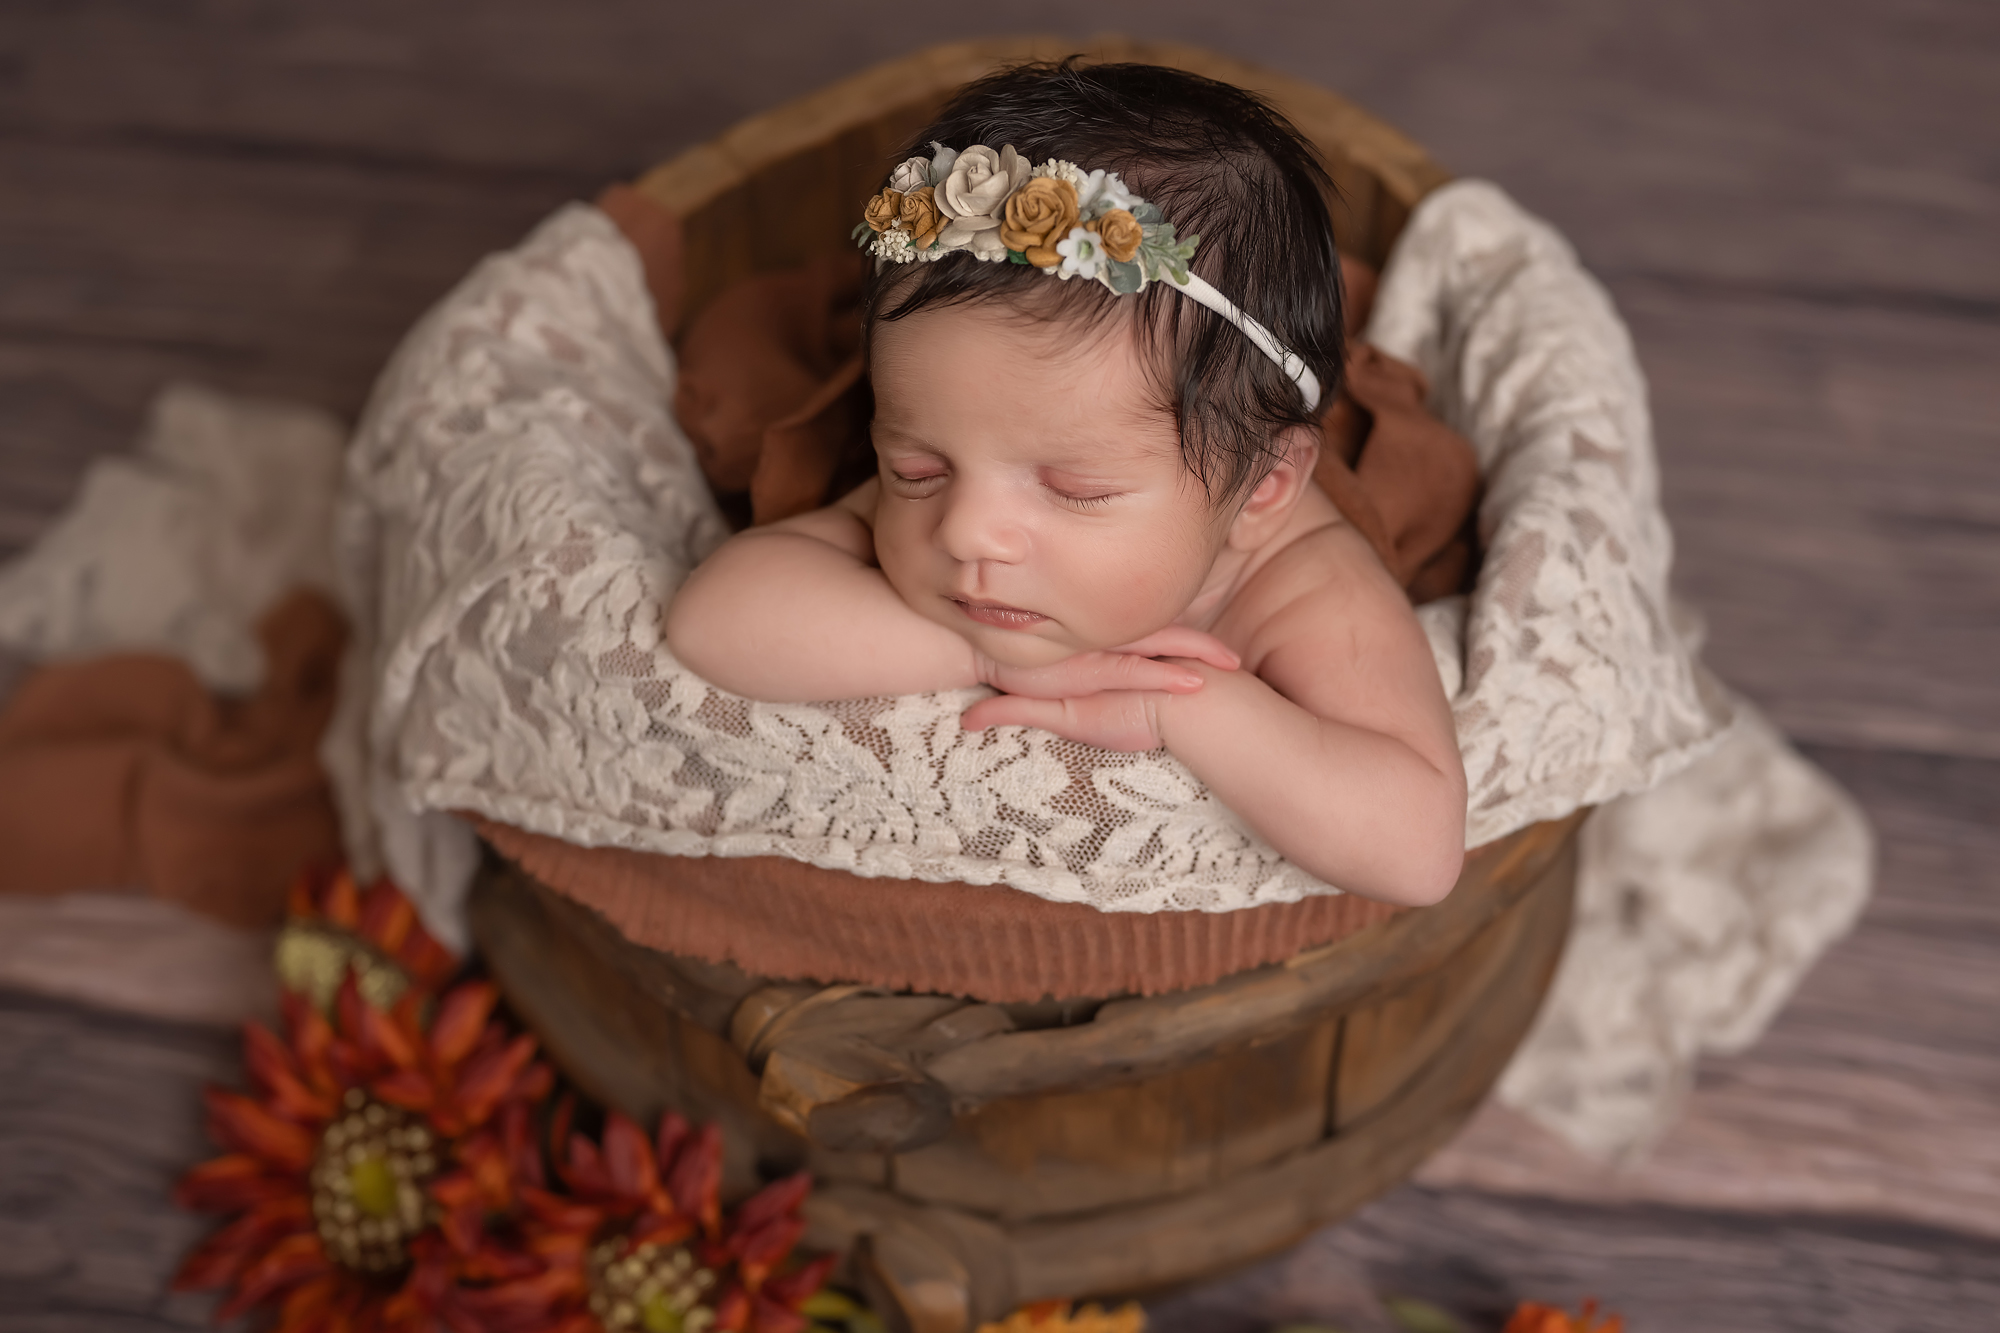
(759, 1251)
(406, 1088)
(788, 1289)
(229, 1184)
(461, 1017)
(342, 905)
(774, 1200)
(487, 1077)
(312, 1043)
(517, 1132)
(628, 1157)
(586, 1169)
(384, 1038)
(767, 1316)
(235, 1121)
(696, 1180)
(427, 960)
(670, 1138)
(349, 1008)
(656, 1229)
(299, 898)
(560, 1214)
(386, 917)
(732, 1311)
(289, 1262)
(271, 1068)
(308, 1308)
(534, 1083)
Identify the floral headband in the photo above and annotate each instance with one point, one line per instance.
(1056, 217)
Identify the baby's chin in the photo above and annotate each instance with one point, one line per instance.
(1025, 648)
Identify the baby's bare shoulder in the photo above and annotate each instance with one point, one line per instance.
(1325, 583)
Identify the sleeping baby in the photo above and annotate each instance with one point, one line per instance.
(1099, 354)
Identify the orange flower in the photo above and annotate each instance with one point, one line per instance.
(363, 1166)
(883, 210)
(1038, 215)
(1119, 232)
(920, 217)
(1534, 1317)
(335, 928)
(643, 1242)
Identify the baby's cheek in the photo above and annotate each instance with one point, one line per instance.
(1124, 600)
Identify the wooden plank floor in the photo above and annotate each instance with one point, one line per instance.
(1794, 205)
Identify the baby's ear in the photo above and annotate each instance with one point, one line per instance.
(1272, 500)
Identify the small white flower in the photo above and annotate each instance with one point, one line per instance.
(894, 246)
(913, 174)
(1063, 171)
(1102, 191)
(1082, 256)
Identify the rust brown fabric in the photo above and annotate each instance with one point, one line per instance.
(126, 773)
(785, 919)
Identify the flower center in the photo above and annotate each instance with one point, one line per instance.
(651, 1289)
(368, 1184)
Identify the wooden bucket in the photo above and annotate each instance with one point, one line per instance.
(974, 1157)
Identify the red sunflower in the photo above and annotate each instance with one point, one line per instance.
(641, 1245)
(335, 928)
(365, 1162)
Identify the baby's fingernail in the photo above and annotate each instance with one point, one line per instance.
(1190, 681)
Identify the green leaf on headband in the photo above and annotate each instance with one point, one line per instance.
(1144, 211)
(1123, 276)
(1016, 257)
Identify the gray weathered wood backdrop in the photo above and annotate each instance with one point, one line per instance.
(1797, 206)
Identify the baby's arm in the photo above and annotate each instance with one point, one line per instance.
(1335, 743)
(798, 611)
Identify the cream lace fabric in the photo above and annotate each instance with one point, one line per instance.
(521, 505)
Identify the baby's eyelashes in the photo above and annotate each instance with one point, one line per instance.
(1086, 501)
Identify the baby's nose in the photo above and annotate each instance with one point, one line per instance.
(978, 525)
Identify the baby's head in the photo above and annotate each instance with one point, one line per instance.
(1064, 468)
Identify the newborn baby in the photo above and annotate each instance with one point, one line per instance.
(1095, 490)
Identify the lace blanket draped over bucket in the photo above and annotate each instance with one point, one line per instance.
(520, 505)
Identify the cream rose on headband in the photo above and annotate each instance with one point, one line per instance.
(977, 188)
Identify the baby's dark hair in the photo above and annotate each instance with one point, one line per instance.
(1220, 163)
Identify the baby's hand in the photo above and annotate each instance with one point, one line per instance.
(1108, 699)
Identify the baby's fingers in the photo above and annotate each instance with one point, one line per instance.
(1089, 673)
(1180, 641)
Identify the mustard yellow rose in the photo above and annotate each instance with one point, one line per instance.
(921, 218)
(1118, 232)
(883, 210)
(1040, 214)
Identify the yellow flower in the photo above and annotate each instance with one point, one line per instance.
(1119, 232)
(920, 216)
(1040, 214)
(883, 210)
